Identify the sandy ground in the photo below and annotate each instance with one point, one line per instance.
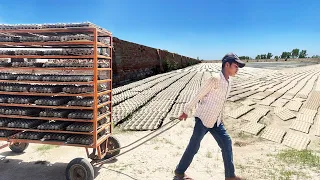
(157, 158)
(254, 157)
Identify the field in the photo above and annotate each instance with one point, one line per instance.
(272, 115)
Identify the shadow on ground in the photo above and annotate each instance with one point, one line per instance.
(13, 169)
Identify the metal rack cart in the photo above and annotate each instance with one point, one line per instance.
(57, 89)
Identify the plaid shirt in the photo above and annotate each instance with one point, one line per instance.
(212, 96)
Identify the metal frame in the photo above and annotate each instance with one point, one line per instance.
(98, 145)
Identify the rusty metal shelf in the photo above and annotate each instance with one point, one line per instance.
(3, 139)
(47, 131)
(102, 139)
(40, 106)
(51, 142)
(53, 107)
(52, 94)
(93, 32)
(54, 118)
(44, 118)
(53, 43)
(57, 30)
(54, 57)
(54, 82)
(44, 94)
(55, 68)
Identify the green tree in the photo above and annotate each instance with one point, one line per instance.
(263, 56)
(244, 57)
(303, 54)
(269, 55)
(295, 53)
(276, 58)
(285, 55)
(258, 57)
(315, 56)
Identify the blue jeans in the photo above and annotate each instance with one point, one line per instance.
(220, 135)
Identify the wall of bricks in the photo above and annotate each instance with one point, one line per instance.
(271, 60)
(133, 61)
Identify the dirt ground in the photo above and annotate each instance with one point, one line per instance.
(254, 158)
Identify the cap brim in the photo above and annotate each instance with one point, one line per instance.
(241, 63)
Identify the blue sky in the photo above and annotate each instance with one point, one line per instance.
(207, 29)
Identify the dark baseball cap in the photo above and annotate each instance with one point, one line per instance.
(231, 57)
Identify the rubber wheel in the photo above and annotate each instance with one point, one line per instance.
(79, 169)
(18, 147)
(113, 143)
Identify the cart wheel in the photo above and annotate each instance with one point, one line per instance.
(79, 169)
(18, 147)
(113, 143)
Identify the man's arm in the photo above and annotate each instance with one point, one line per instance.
(201, 93)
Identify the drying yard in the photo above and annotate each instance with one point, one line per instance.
(269, 112)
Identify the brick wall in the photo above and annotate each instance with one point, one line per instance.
(133, 61)
(271, 60)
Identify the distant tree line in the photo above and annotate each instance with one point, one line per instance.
(295, 53)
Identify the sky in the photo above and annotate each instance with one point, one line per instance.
(207, 29)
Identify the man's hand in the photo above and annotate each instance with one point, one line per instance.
(183, 116)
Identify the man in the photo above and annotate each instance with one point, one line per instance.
(212, 96)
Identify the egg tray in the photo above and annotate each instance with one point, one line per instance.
(52, 101)
(14, 87)
(19, 111)
(54, 113)
(77, 37)
(63, 52)
(4, 99)
(78, 64)
(7, 133)
(53, 125)
(28, 77)
(5, 64)
(5, 121)
(80, 127)
(28, 64)
(87, 114)
(67, 78)
(21, 123)
(56, 137)
(81, 115)
(88, 101)
(46, 89)
(80, 139)
(77, 89)
(30, 135)
(21, 99)
(8, 76)
(47, 26)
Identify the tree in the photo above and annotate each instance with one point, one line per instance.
(269, 55)
(263, 56)
(258, 57)
(244, 57)
(276, 58)
(315, 56)
(285, 55)
(303, 54)
(295, 53)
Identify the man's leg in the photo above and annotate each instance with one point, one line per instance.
(194, 144)
(224, 141)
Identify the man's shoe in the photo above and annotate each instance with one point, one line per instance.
(181, 177)
(234, 178)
